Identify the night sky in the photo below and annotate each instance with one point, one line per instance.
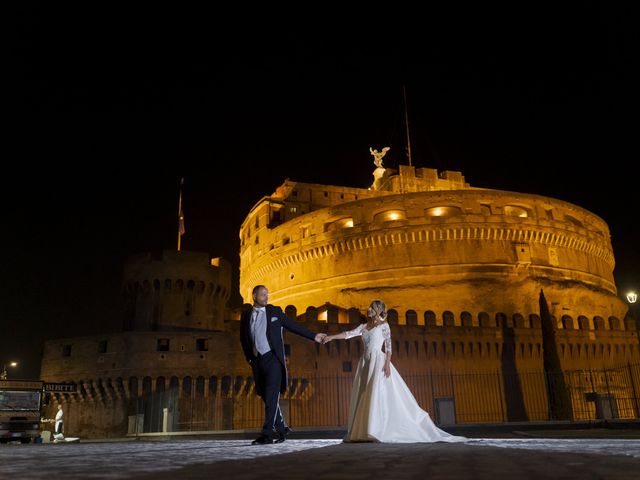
(108, 106)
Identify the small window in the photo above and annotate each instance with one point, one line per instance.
(347, 367)
(293, 209)
(102, 346)
(443, 211)
(202, 344)
(257, 223)
(340, 224)
(163, 345)
(390, 216)
(326, 194)
(515, 211)
(66, 350)
(574, 221)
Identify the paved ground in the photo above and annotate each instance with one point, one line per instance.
(588, 454)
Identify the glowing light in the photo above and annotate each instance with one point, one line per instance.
(322, 316)
(632, 297)
(348, 224)
(437, 212)
(394, 216)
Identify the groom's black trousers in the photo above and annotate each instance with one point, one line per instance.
(271, 370)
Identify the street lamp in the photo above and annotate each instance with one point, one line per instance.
(3, 376)
(632, 298)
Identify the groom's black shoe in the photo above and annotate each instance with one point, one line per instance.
(262, 440)
(282, 436)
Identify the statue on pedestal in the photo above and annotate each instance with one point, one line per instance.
(379, 172)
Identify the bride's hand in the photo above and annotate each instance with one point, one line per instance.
(327, 339)
(387, 370)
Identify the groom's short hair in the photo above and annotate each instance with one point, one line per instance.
(257, 288)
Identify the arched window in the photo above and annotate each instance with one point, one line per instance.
(429, 319)
(443, 211)
(567, 322)
(598, 323)
(291, 312)
(133, 386)
(186, 386)
(518, 321)
(390, 216)
(448, 320)
(515, 211)
(146, 386)
(311, 314)
(485, 320)
(354, 315)
(411, 317)
(573, 221)
(583, 322)
(200, 385)
(534, 320)
(466, 320)
(226, 385)
(213, 385)
(614, 323)
(174, 384)
(392, 316)
(346, 222)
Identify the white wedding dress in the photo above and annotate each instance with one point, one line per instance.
(382, 408)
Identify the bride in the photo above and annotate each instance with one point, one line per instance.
(382, 407)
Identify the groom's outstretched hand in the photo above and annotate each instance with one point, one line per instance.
(320, 337)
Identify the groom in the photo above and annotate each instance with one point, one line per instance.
(263, 346)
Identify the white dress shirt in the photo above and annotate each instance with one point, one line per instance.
(259, 330)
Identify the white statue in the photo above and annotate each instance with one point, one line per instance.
(377, 156)
(379, 172)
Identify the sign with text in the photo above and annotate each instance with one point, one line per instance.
(60, 387)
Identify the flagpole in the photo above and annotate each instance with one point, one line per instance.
(180, 214)
(406, 121)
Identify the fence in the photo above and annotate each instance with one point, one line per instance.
(454, 398)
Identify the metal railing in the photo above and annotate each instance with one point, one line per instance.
(454, 398)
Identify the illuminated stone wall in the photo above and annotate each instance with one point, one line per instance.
(465, 250)
(176, 290)
(460, 269)
(205, 383)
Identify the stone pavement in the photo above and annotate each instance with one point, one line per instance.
(587, 455)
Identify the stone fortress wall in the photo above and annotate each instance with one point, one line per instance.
(464, 250)
(460, 269)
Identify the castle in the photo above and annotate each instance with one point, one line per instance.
(460, 269)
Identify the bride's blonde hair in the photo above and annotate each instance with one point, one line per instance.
(380, 308)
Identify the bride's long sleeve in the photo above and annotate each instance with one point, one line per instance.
(386, 334)
(355, 332)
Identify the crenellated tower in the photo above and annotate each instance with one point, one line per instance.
(176, 291)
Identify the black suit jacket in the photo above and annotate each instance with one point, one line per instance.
(276, 322)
